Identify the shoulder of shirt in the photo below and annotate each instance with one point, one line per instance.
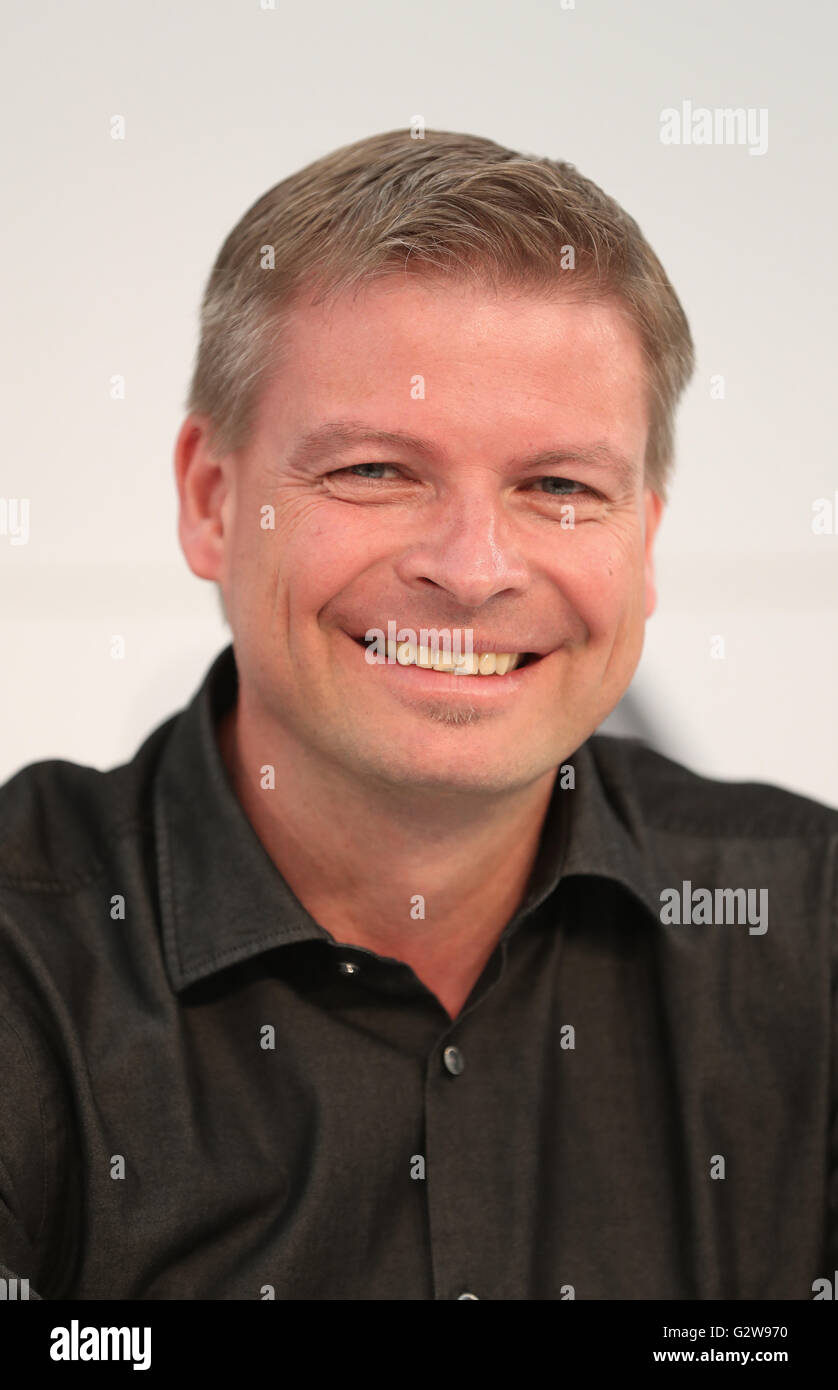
(62, 820)
(647, 787)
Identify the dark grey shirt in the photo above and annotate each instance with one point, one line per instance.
(205, 1095)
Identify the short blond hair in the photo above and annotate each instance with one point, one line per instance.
(444, 204)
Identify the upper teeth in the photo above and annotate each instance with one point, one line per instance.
(476, 664)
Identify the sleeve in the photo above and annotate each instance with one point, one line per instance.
(15, 1285)
(832, 1157)
(22, 1168)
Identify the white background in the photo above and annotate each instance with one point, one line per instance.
(107, 245)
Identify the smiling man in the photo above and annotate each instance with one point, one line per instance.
(415, 515)
(363, 978)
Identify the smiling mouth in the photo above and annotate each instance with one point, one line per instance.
(474, 664)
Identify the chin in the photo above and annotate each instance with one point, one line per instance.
(440, 767)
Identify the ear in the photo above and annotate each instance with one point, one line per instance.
(203, 484)
(653, 505)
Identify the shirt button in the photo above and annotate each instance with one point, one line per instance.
(348, 967)
(468, 1295)
(453, 1059)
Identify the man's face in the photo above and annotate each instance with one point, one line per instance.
(463, 532)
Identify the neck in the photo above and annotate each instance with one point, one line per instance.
(428, 878)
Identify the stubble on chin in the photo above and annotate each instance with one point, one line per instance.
(453, 715)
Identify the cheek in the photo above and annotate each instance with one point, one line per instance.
(312, 569)
(603, 578)
(325, 552)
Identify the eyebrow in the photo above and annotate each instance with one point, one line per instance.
(343, 434)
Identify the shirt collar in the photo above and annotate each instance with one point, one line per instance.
(223, 900)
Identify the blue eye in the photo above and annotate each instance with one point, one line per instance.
(353, 466)
(566, 485)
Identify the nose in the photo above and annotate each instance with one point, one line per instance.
(468, 550)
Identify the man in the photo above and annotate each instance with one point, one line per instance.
(377, 974)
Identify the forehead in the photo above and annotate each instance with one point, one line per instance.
(408, 351)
